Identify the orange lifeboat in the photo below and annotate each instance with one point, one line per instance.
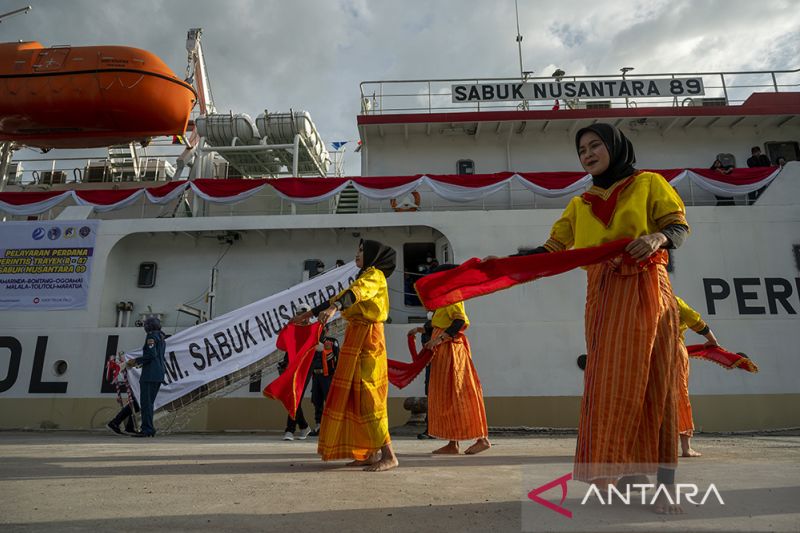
(88, 96)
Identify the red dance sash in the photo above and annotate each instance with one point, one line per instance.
(477, 278)
(300, 342)
(722, 357)
(401, 374)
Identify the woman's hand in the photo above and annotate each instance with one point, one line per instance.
(711, 340)
(489, 258)
(646, 245)
(414, 331)
(433, 343)
(326, 315)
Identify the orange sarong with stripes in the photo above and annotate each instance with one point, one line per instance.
(685, 421)
(628, 421)
(455, 398)
(355, 423)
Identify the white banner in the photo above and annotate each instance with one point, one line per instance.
(213, 349)
(603, 88)
(46, 265)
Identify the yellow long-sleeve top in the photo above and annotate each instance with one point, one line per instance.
(690, 319)
(639, 205)
(372, 297)
(444, 316)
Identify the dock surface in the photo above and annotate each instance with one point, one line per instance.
(92, 481)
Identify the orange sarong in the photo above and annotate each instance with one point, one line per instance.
(455, 398)
(685, 422)
(355, 423)
(628, 422)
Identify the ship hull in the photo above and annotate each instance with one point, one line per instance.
(738, 269)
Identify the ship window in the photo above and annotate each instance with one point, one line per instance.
(60, 367)
(147, 275)
(312, 267)
(789, 150)
(465, 166)
(419, 258)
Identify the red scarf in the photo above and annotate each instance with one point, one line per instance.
(477, 278)
(722, 357)
(300, 343)
(401, 374)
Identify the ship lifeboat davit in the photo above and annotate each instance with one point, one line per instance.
(88, 96)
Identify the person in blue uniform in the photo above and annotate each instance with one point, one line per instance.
(153, 367)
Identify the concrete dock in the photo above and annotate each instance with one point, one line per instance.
(93, 481)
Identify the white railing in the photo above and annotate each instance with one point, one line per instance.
(434, 95)
(38, 172)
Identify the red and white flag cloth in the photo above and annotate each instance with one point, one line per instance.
(453, 188)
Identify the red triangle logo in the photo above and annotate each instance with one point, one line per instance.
(562, 481)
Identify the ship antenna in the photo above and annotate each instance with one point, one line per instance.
(519, 42)
(10, 14)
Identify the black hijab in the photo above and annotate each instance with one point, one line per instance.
(379, 256)
(620, 151)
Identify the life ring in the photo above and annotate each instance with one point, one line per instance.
(406, 206)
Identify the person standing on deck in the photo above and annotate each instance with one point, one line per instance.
(689, 319)
(355, 424)
(628, 422)
(455, 398)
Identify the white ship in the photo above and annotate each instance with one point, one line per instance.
(450, 170)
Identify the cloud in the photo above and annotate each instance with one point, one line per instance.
(272, 54)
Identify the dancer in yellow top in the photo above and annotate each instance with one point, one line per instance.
(628, 420)
(455, 399)
(689, 319)
(355, 424)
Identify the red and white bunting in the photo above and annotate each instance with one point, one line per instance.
(454, 188)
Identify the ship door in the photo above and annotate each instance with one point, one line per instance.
(419, 258)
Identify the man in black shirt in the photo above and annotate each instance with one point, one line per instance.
(756, 160)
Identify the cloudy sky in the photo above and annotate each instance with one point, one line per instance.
(312, 55)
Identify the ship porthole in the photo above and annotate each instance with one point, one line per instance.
(60, 367)
(582, 361)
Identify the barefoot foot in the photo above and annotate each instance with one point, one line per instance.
(371, 460)
(451, 448)
(481, 445)
(691, 453)
(663, 505)
(383, 465)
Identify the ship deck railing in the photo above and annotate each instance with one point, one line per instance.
(385, 97)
